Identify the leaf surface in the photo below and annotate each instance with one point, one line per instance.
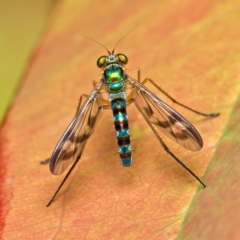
(191, 49)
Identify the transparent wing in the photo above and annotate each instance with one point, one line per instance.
(166, 119)
(70, 146)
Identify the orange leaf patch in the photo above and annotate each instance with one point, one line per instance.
(191, 49)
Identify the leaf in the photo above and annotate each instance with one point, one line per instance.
(191, 50)
(218, 206)
(21, 23)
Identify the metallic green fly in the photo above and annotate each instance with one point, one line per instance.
(122, 90)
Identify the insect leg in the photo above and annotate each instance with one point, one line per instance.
(46, 161)
(81, 133)
(104, 103)
(137, 71)
(165, 146)
(80, 102)
(95, 83)
(210, 115)
(63, 181)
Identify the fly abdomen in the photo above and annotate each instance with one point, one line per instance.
(122, 130)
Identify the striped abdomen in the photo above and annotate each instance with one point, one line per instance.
(122, 130)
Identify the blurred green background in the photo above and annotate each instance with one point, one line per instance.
(21, 24)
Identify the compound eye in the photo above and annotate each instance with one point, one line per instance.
(101, 61)
(123, 59)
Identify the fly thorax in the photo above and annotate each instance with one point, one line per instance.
(114, 78)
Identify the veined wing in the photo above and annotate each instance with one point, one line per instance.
(70, 146)
(166, 119)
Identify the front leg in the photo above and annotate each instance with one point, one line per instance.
(80, 102)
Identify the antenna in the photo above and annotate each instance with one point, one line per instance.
(114, 46)
(122, 39)
(97, 42)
